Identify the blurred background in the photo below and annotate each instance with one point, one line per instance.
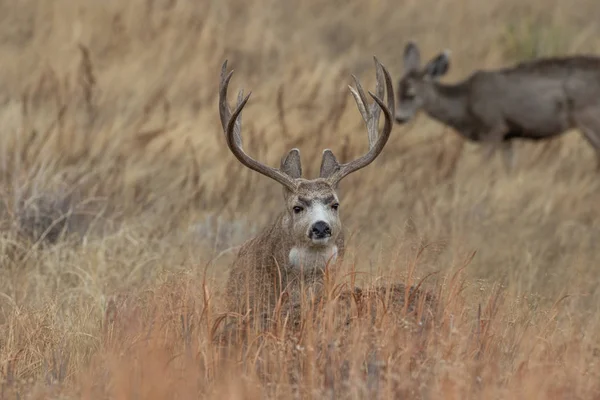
(109, 119)
(111, 149)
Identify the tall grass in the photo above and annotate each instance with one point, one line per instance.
(122, 207)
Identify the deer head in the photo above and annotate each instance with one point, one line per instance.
(312, 205)
(416, 81)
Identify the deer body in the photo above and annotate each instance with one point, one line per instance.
(307, 236)
(279, 259)
(533, 100)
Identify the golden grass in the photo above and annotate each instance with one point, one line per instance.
(122, 206)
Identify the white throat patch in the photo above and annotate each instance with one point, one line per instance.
(312, 258)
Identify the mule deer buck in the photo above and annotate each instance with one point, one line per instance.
(307, 235)
(532, 100)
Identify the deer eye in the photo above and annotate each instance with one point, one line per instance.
(335, 206)
(297, 209)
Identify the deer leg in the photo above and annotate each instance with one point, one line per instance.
(505, 147)
(589, 124)
(494, 139)
(489, 149)
(593, 138)
(508, 156)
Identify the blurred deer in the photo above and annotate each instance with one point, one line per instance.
(307, 236)
(532, 100)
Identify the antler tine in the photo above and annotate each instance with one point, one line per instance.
(360, 98)
(389, 87)
(232, 126)
(224, 111)
(370, 114)
(373, 125)
(371, 117)
(238, 122)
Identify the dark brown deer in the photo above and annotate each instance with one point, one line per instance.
(307, 235)
(533, 100)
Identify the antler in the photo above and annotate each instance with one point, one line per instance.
(370, 115)
(232, 126)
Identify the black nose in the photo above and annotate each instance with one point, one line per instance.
(320, 230)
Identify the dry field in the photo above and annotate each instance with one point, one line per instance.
(121, 206)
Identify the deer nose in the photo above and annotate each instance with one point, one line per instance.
(320, 230)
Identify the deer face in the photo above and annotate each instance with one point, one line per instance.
(410, 96)
(413, 86)
(313, 213)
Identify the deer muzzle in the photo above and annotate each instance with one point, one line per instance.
(320, 230)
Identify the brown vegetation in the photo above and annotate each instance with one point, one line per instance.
(122, 207)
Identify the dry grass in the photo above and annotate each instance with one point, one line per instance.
(121, 204)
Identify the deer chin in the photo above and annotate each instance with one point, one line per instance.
(320, 242)
(312, 257)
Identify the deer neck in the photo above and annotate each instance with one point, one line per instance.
(310, 259)
(304, 258)
(448, 104)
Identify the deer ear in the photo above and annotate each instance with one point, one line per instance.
(412, 57)
(329, 164)
(439, 66)
(291, 164)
